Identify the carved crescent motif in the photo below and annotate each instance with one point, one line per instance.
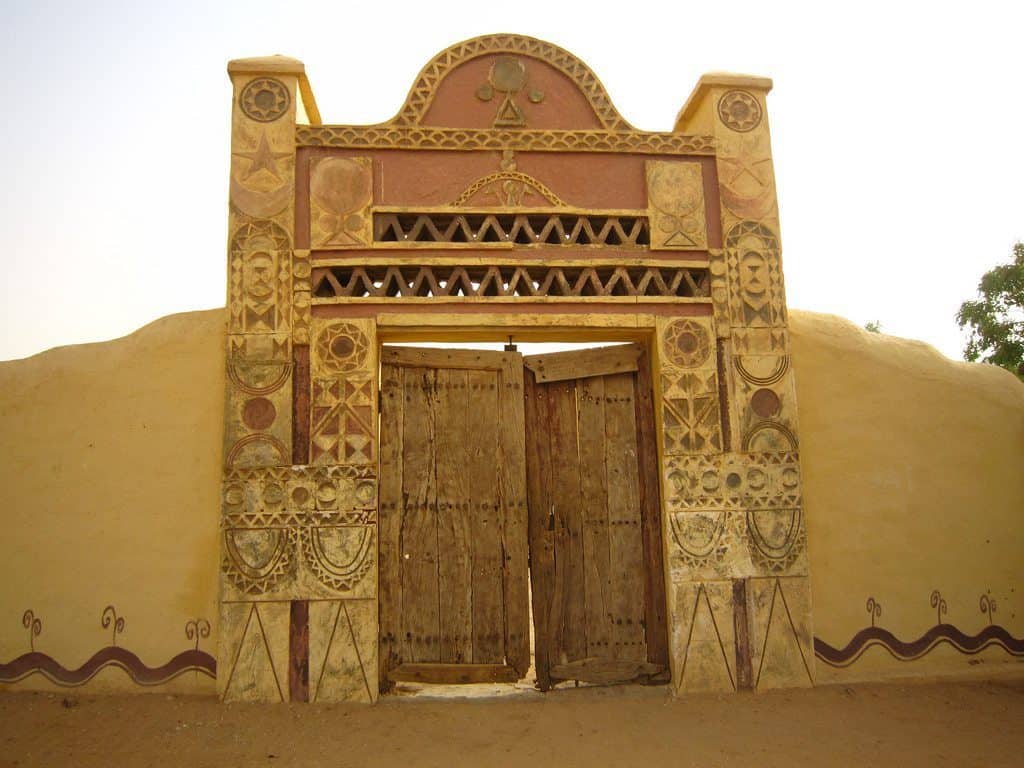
(707, 537)
(260, 204)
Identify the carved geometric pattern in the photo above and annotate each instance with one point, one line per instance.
(760, 341)
(257, 423)
(519, 229)
(343, 650)
(769, 437)
(300, 296)
(755, 276)
(508, 188)
(508, 75)
(431, 281)
(691, 415)
(259, 287)
(343, 427)
(734, 481)
(291, 496)
(703, 539)
(746, 178)
(265, 99)
(719, 290)
(422, 93)
(340, 193)
(256, 559)
(339, 556)
(461, 139)
(715, 501)
(259, 234)
(253, 651)
(764, 403)
(675, 193)
(778, 370)
(779, 612)
(704, 636)
(687, 343)
(341, 348)
(739, 111)
(776, 538)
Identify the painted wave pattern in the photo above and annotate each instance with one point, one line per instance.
(112, 656)
(915, 649)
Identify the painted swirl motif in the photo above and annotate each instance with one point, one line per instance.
(915, 649)
(339, 556)
(111, 656)
(940, 634)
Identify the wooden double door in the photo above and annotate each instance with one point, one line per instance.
(500, 473)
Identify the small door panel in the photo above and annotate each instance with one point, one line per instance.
(453, 517)
(595, 541)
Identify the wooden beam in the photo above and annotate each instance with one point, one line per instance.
(604, 671)
(453, 673)
(449, 359)
(583, 363)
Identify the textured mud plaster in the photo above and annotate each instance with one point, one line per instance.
(109, 495)
(913, 485)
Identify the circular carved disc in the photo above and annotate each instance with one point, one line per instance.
(765, 403)
(258, 413)
(739, 111)
(265, 99)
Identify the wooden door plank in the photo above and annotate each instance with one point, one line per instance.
(455, 578)
(655, 604)
(594, 506)
(603, 671)
(626, 542)
(542, 551)
(449, 359)
(419, 528)
(568, 640)
(583, 363)
(481, 438)
(389, 521)
(453, 673)
(512, 488)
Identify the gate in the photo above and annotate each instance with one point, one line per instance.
(453, 531)
(457, 478)
(595, 532)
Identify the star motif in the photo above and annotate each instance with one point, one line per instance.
(262, 158)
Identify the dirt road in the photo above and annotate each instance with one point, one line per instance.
(943, 724)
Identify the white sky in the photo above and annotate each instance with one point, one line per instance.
(898, 133)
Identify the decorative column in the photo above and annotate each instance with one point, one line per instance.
(298, 549)
(739, 589)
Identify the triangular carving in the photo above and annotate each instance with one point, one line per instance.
(343, 661)
(783, 661)
(252, 676)
(709, 652)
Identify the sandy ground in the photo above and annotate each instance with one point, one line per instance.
(944, 724)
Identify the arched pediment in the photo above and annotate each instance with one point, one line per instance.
(509, 81)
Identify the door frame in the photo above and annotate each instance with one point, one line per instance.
(639, 328)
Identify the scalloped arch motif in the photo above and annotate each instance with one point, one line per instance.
(421, 95)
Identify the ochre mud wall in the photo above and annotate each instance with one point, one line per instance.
(110, 467)
(110, 497)
(914, 489)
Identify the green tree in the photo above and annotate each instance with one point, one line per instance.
(875, 326)
(996, 318)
